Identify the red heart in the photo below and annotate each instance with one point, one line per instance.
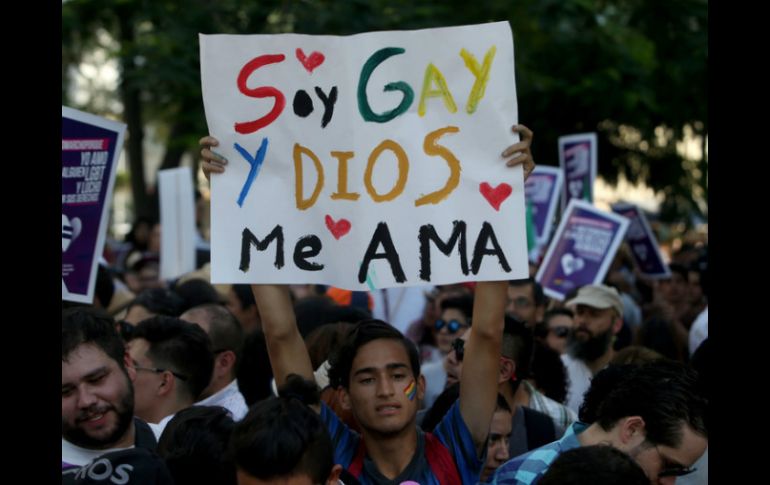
(495, 196)
(310, 63)
(339, 228)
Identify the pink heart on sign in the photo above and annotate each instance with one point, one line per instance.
(495, 196)
(310, 63)
(339, 228)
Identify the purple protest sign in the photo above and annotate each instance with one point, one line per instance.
(582, 249)
(577, 156)
(542, 190)
(642, 241)
(89, 152)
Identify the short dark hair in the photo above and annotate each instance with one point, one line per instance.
(225, 330)
(254, 373)
(557, 311)
(502, 404)
(181, 347)
(196, 292)
(326, 338)
(159, 301)
(245, 296)
(461, 303)
(594, 465)
(548, 372)
(664, 393)
(518, 343)
(537, 289)
(88, 325)
(282, 436)
(194, 445)
(341, 361)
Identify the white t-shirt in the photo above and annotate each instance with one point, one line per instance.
(699, 331)
(230, 398)
(579, 376)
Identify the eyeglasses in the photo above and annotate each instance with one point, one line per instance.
(452, 326)
(670, 469)
(458, 345)
(560, 332)
(158, 370)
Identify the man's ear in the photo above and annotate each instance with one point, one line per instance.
(224, 362)
(344, 398)
(421, 387)
(129, 365)
(632, 431)
(507, 370)
(617, 324)
(167, 384)
(334, 476)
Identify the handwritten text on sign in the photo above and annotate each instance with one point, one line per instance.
(366, 161)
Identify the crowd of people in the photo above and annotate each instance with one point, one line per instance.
(488, 382)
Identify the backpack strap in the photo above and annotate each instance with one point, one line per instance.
(356, 466)
(441, 462)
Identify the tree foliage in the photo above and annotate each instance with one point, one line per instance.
(635, 71)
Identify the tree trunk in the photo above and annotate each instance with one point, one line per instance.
(133, 116)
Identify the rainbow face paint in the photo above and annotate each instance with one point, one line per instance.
(411, 390)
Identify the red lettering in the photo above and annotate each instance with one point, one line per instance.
(261, 92)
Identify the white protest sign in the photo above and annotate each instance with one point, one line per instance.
(177, 220)
(366, 161)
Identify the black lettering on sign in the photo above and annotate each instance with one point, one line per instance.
(487, 234)
(248, 239)
(303, 105)
(428, 234)
(382, 237)
(307, 247)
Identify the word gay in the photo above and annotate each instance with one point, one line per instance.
(434, 85)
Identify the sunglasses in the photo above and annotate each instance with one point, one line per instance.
(560, 332)
(458, 345)
(452, 326)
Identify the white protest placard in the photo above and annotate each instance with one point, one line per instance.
(367, 161)
(177, 220)
(90, 146)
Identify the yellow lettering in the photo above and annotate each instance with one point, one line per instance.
(342, 177)
(481, 73)
(302, 203)
(403, 169)
(432, 74)
(432, 148)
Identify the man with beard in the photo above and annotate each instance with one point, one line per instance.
(97, 394)
(598, 318)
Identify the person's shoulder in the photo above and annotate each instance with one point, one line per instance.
(524, 469)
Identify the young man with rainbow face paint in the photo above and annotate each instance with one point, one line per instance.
(377, 373)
